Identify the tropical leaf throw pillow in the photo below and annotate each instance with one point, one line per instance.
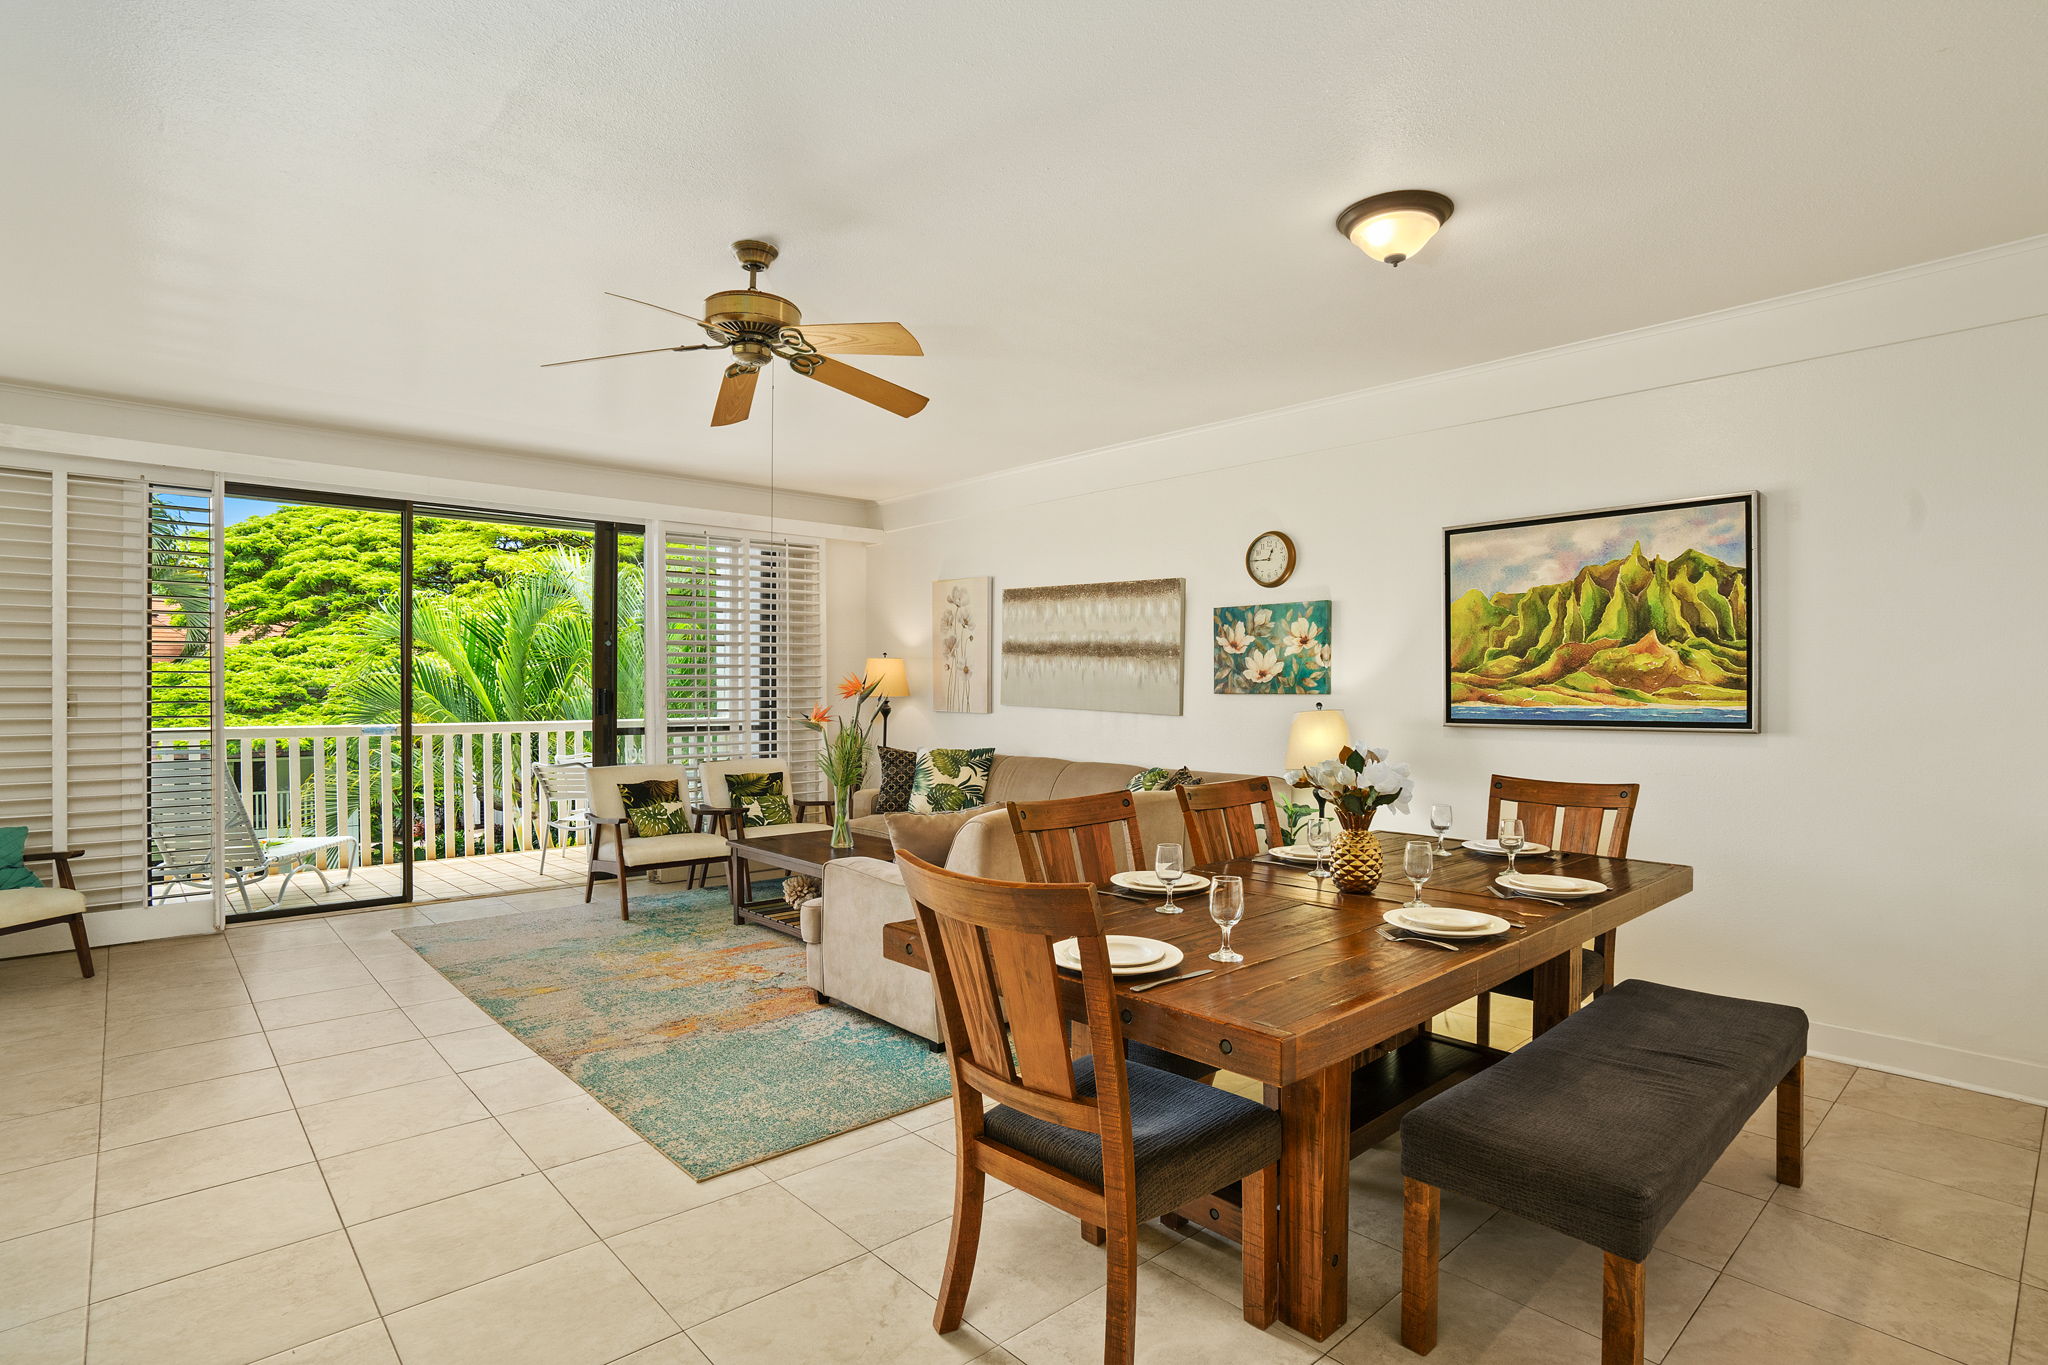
(1164, 780)
(760, 797)
(950, 779)
(652, 807)
(899, 772)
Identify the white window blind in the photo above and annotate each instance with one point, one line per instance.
(740, 632)
(73, 697)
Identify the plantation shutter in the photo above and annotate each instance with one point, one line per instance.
(741, 639)
(73, 693)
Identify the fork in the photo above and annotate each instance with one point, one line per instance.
(1396, 936)
(1522, 896)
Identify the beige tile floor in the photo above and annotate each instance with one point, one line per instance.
(297, 1143)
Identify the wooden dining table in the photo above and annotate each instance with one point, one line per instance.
(1333, 1019)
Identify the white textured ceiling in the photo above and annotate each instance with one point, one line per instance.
(1103, 220)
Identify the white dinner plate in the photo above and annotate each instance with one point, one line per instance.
(1494, 925)
(1537, 884)
(1066, 953)
(1150, 884)
(1445, 917)
(1488, 846)
(1294, 853)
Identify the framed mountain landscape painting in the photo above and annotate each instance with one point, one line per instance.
(1634, 618)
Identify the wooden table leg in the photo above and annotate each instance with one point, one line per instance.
(1315, 1200)
(1559, 987)
(739, 882)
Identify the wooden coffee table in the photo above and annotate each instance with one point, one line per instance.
(804, 853)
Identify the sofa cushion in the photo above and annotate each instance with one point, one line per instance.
(672, 848)
(1088, 779)
(34, 904)
(899, 771)
(1021, 777)
(950, 779)
(929, 837)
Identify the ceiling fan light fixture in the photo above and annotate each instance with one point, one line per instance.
(1392, 227)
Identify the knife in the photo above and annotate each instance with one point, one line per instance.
(1184, 976)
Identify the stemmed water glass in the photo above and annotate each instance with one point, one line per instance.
(1317, 834)
(1511, 840)
(1440, 821)
(1166, 865)
(1418, 860)
(1226, 907)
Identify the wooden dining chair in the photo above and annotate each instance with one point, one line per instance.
(1075, 839)
(1572, 817)
(1221, 822)
(1111, 1143)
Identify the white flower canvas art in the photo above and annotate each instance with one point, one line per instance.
(1280, 647)
(963, 639)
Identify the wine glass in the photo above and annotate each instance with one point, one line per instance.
(1418, 859)
(1226, 907)
(1440, 821)
(1166, 865)
(1511, 840)
(1317, 834)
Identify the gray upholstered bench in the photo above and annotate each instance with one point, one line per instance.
(1600, 1129)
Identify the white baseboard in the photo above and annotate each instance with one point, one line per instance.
(2012, 1077)
(131, 924)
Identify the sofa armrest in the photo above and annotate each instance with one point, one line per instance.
(864, 800)
(848, 960)
(986, 846)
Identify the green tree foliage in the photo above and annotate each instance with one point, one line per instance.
(306, 587)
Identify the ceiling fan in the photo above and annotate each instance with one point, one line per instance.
(760, 328)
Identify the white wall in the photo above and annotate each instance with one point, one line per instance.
(1872, 856)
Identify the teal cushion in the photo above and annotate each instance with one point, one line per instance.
(14, 875)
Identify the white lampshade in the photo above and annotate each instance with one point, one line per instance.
(1315, 736)
(891, 679)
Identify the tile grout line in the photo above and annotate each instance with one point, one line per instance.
(92, 1235)
(1794, 1298)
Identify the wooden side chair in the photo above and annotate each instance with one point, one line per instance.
(35, 907)
(1221, 819)
(1075, 839)
(1573, 817)
(1109, 1143)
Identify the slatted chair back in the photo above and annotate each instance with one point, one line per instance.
(1223, 819)
(990, 947)
(1575, 817)
(1078, 839)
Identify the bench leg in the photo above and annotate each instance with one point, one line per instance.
(1420, 1205)
(1259, 1240)
(1791, 1134)
(1621, 1312)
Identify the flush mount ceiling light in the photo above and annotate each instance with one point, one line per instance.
(1394, 226)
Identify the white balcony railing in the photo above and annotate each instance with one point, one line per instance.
(472, 792)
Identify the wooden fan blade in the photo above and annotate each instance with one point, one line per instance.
(670, 311)
(735, 396)
(869, 388)
(613, 356)
(861, 338)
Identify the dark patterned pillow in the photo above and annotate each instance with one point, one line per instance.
(652, 807)
(760, 798)
(899, 770)
(1163, 780)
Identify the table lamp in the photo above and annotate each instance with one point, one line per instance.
(891, 679)
(1315, 736)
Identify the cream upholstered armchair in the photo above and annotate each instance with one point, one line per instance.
(33, 907)
(617, 852)
(730, 814)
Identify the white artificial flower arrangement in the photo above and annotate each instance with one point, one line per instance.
(1357, 782)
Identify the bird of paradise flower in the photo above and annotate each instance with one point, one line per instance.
(1278, 648)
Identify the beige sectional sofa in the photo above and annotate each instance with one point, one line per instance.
(842, 929)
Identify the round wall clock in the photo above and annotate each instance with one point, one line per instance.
(1270, 559)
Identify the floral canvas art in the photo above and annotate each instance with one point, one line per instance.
(962, 638)
(1631, 618)
(1278, 648)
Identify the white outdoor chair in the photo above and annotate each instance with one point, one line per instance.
(562, 785)
(181, 837)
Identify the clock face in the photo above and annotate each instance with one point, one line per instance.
(1270, 559)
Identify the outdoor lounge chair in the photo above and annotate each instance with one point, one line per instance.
(181, 836)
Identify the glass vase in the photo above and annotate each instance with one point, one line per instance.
(842, 817)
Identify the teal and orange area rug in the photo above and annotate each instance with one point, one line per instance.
(700, 1033)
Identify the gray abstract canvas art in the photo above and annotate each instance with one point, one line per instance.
(1096, 646)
